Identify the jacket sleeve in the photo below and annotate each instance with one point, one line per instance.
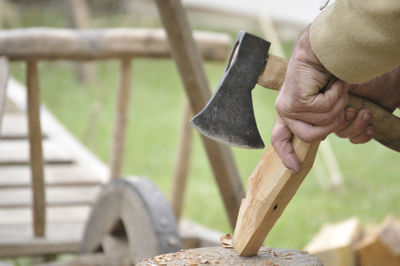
(358, 40)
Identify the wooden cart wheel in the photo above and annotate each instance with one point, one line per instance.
(131, 217)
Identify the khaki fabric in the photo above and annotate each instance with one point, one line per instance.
(358, 40)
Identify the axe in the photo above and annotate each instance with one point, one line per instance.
(229, 118)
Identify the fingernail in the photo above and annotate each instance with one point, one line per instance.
(349, 115)
(366, 117)
(370, 131)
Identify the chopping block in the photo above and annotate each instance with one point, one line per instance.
(266, 256)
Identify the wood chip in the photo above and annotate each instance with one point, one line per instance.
(226, 241)
(192, 262)
(270, 263)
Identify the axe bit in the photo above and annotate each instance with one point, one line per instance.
(229, 118)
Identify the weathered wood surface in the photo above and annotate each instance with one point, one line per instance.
(55, 176)
(19, 240)
(182, 161)
(270, 188)
(15, 126)
(226, 256)
(54, 215)
(333, 244)
(189, 62)
(35, 149)
(134, 209)
(55, 196)
(16, 152)
(4, 72)
(96, 259)
(121, 116)
(53, 44)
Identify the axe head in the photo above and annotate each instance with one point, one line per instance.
(229, 117)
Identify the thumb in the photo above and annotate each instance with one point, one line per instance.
(282, 142)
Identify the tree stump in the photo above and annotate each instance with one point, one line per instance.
(227, 256)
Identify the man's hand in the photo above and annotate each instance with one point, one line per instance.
(302, 108)
(384, 91)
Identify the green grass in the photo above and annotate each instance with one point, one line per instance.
(371, 185)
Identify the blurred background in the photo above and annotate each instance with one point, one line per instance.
(369, 174)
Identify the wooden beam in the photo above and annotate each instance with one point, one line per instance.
(36, 151)
(182, 161)
(55, 44)
(120, 120)
(270, 188)
(189, 62)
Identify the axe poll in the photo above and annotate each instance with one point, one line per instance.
(229, 118)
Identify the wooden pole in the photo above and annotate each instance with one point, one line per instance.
(120, 120)
(79, 19)
(36, 151)
(182, 161)
(95, 44)
(189, 63)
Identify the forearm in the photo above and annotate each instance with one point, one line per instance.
(358, 40)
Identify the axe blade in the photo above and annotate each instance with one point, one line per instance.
(229, 115)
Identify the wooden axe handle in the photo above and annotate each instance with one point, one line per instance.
(386, 125)
(271, 185)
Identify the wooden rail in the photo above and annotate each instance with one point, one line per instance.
(55, 44)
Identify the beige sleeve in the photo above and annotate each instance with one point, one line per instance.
(358, 40)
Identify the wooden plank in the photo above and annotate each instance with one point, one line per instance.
(55, 196)
(18, 239)
(333, 244)
(4, 72)
(92, 44)
(16, 152)
(189, 63)
(270, 188)
(15, 127)
(120, 120)
(35, 150)
(54, 215)
(55, 176)
(182, 161)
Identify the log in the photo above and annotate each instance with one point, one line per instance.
(270, 188)
(226, 256)
(120, 120)
(55, 44)
(334, 243)
(189, 62)
(36, 150)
